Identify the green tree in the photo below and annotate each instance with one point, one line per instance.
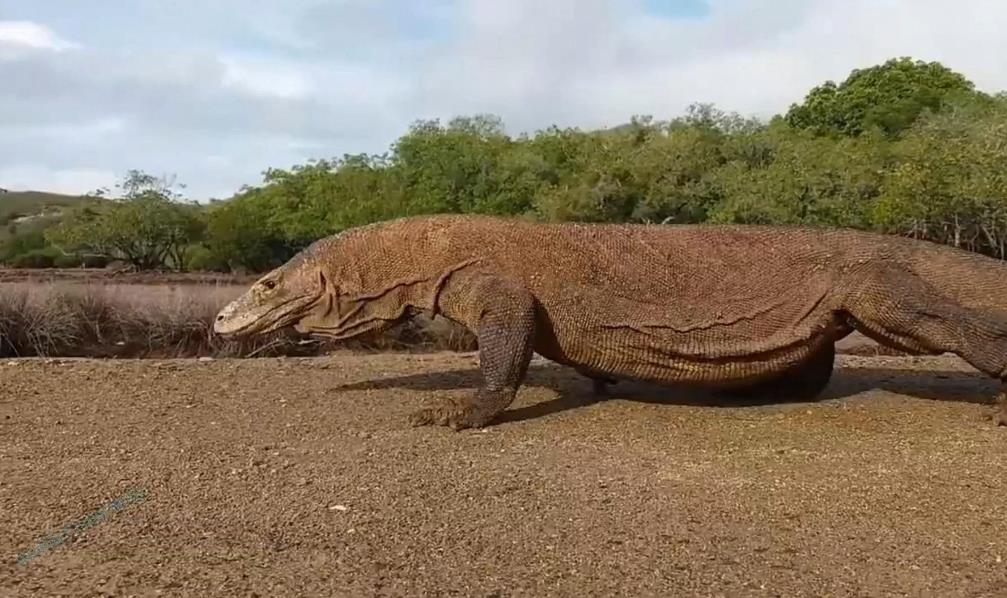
(644, 171)
(674, 168)
(148, 225)
(949, 184)
(889, 96)
(240, 235)
(596, 183)
(458, 168)
(809, 180)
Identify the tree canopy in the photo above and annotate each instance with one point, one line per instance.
(147, 225)
(889, 97)
(904, 147)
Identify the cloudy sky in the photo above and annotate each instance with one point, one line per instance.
(215, 91)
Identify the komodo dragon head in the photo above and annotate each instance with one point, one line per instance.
(282, 297)
(338, 288)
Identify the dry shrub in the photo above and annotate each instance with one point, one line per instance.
(70, 319)
(31, 325)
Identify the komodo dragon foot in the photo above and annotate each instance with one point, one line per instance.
(460, 414)
(1000, 409)
(599, 382)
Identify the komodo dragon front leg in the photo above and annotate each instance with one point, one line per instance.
(502, 314)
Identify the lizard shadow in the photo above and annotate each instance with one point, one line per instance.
(574, 391)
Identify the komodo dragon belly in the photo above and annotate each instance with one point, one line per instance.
(731, 344)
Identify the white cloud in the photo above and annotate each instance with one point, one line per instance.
(589, 63)
(265, 77)
(217, 92)
(32, 35)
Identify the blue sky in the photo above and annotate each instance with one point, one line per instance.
(677, 8)
(216, 91)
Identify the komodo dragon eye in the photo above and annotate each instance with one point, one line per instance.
(270, 284)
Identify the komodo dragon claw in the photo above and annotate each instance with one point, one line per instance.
(453, 414)
(461, 414)
(449, 416)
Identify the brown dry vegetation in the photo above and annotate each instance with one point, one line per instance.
(97, 318)
(113, 276)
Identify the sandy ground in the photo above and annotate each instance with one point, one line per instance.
(288, 477)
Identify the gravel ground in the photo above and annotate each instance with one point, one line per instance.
(290, 477)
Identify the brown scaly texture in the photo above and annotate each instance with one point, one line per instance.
(743, 307)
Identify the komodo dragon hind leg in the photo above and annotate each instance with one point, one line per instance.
(802, 382)
(899, 310)
(599, 382)
(503, 316)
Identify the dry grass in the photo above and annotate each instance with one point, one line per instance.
(65, 319)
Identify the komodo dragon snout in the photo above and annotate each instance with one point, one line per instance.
(278, 299)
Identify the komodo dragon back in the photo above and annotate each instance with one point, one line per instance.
(725, 306)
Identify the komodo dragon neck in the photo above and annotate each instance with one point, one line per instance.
(372, 295)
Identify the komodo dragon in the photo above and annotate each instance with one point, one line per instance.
(756, 307)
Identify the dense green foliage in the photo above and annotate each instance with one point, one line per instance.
(888, 97)
(905, 147)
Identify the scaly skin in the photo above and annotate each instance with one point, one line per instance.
(750, 308)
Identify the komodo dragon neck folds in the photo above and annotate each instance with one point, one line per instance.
(745, 307)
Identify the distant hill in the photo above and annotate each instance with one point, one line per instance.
(26, 210)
